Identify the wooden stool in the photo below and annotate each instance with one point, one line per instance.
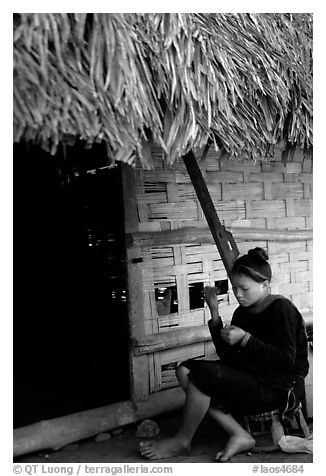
(275, 427)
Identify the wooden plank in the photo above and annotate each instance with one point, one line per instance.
(154, 360)
(223, 239)
(171, 339)
(198, 235)
(139, 377)
(59, 432)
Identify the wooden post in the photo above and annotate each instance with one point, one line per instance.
(223, 239)
(139, 368)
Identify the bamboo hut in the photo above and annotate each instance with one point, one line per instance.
(232, 90)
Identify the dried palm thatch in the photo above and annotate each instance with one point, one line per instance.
(241, 81)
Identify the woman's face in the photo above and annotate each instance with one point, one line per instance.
(248, 291)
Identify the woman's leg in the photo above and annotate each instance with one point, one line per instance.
(195, 408)
(240, 440)
(182, 373)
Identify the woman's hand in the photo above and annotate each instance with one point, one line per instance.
(232, 334)
(210, 296)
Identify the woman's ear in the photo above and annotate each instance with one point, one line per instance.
(266, 284)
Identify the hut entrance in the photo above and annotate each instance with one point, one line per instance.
(70, 328)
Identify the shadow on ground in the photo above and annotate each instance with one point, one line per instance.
(123, 448)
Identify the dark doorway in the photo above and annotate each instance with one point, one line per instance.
(70, 310)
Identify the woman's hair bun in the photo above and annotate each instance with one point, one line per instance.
(259, 252)
(254, 264)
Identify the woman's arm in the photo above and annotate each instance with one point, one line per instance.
(215, 325)
(210, 297)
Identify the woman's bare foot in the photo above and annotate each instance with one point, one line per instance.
(157, 449)
(236, 444)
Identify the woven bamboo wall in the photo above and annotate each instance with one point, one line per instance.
(265, 195)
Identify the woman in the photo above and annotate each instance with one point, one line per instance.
(262, 366)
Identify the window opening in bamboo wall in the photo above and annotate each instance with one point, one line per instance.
(166, 300)
(196, 295)
(222, 288)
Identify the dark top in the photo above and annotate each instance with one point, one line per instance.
(277, 349)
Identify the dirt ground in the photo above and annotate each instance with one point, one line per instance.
(123, 448)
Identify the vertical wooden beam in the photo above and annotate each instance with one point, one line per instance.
(139, 368)
(223, 239)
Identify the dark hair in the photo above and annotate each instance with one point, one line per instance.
(254, 264)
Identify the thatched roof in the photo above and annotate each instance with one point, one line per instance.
(243, 81)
